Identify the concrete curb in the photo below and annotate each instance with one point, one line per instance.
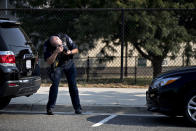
(86, 108)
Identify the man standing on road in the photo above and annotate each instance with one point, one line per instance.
(58, 53)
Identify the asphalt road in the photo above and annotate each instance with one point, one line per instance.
(67, 121)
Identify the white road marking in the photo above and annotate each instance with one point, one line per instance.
(104, 121)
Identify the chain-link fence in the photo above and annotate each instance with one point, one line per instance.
(115, 44)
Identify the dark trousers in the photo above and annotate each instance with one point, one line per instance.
(70, 74)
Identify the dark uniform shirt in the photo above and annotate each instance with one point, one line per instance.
(62, 59)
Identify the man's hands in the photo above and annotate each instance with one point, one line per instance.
(59, 49)
(71, 52)
(52, 58)
(68, 52)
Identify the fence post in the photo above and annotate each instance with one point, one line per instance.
(87, 69)
(135, 70)
(122, 42)
(126, 58)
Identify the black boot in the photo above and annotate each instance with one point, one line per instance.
(78, 111)
(50, 112)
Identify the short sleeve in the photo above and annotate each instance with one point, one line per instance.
(70, 42)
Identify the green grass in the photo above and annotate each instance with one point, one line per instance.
(126, 81)
(142, 81)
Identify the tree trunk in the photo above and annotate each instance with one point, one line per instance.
(188, 53)
(157, 66)
(188, 61)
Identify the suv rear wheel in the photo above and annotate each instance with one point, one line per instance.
(190, 108)
(4, 101)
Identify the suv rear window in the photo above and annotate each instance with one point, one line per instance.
(14, 36)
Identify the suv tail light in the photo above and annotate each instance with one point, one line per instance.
(7, 58)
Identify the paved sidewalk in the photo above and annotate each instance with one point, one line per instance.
(90, 97)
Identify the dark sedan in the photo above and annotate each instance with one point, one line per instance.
(174, 93)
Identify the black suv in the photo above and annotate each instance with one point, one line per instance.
(19, 70)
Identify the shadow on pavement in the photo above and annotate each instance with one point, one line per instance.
(146, 121)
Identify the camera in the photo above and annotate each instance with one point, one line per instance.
(65, 48)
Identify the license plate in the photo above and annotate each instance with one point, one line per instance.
(28, 64)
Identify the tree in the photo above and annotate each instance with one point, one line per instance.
(157, 37)
(154, 34)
